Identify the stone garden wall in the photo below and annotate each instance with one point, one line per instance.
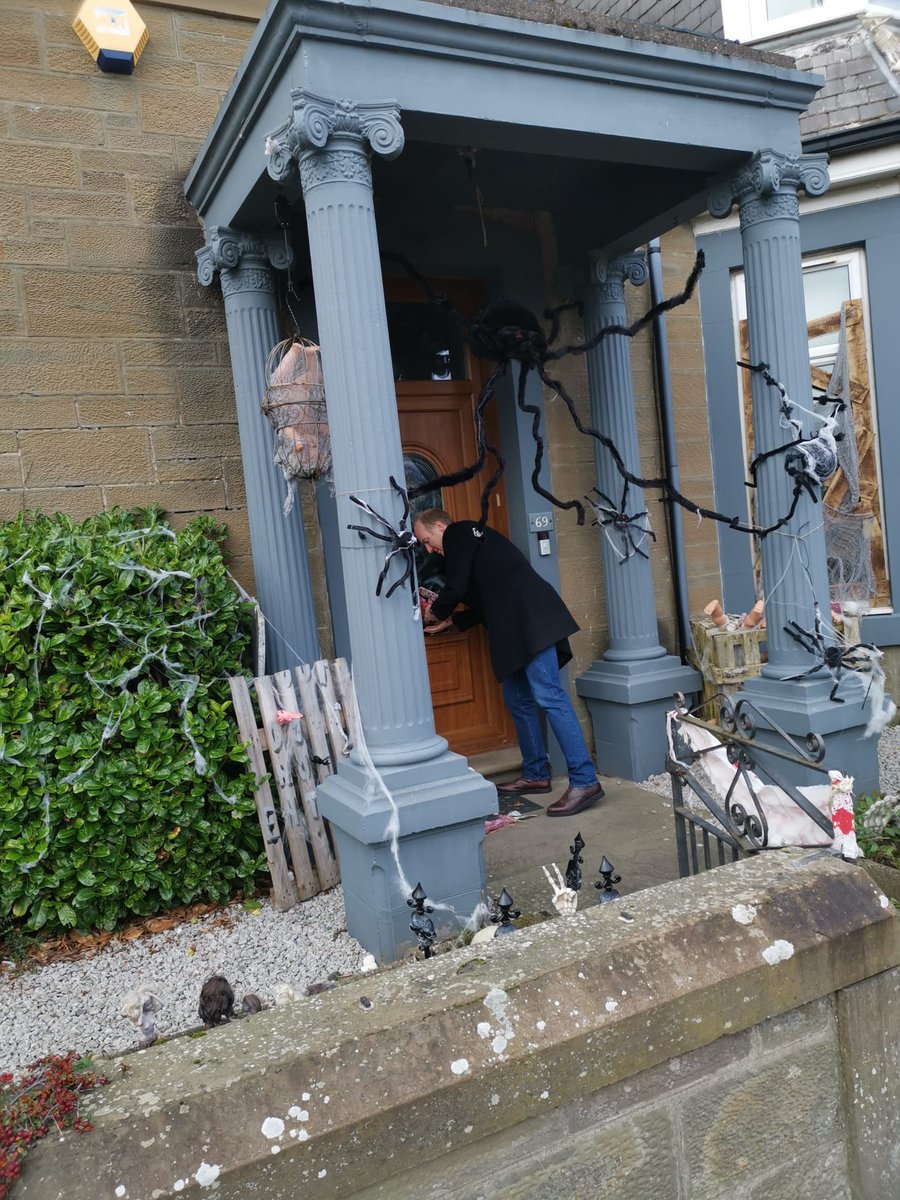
(733, 1038)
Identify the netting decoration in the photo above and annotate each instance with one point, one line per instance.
(294, 405)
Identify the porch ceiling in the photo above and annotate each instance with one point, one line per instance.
(646, 117)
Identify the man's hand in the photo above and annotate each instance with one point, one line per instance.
(439, 626)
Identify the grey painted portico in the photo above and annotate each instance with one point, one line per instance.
(634, 127)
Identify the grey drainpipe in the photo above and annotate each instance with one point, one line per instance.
(667, 426)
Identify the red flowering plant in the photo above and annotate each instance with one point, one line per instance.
(46, 1096)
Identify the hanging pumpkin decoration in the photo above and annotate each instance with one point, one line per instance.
(295, 407)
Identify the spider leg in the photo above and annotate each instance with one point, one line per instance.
(805, 674)
(767, 454)
(607, 502)
(636, 548)
(407, 571)
(362, 530)
(837, 675)
(367, 508)
(810, 642)
(403, 493)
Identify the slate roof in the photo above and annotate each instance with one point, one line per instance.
(861, 65)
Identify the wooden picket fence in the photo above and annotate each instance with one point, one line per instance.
(295, 758)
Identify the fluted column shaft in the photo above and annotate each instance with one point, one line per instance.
(278, 543)
(332, 142)
(767, 195)
(628, 581)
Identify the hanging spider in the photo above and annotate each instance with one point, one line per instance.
(835, 657)
(810, 461)
(624, 523)
(401, 541)
(505, 332)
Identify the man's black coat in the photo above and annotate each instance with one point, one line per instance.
(521, 611)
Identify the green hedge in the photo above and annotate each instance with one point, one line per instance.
(123, 786)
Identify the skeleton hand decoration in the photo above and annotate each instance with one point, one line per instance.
(141, 1007)
(565, 901)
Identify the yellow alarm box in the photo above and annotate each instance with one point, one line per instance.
(114, 34)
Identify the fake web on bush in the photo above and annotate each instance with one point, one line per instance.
(125, 790)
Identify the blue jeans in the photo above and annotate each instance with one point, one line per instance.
(537, 686)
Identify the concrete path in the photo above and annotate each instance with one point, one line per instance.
(632, 827)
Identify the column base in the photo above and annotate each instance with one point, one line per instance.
(628, 702)
(439, 829)
(804, 707)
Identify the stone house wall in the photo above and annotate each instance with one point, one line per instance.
(116, 385)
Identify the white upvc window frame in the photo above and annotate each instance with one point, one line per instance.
(749, 21)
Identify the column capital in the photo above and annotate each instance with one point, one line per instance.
(243, 260)
(349, 130)
(609, 275)
(767, 185)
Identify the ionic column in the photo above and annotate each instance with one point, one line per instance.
(794, 566)
(766, 192)
(630, 604)
(280, 565)
(630, 688)
(331, 141)
(438, 800)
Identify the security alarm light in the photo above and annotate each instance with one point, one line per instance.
(113, 33)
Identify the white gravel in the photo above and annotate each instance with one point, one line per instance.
(76, 1005)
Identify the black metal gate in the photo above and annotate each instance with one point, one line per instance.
(732, 828)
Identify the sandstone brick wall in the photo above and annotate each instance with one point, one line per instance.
(115, 386)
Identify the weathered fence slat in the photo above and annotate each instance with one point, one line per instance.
(326, 864)
(335, 721)
(315, 722)
(284, 893)
(279, 741)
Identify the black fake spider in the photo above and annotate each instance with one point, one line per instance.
(401, 540)
(624, 523)
(810, 461)
(834, 657)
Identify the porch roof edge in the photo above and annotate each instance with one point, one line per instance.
(610, 52)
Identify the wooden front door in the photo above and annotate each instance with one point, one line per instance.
(437, 386)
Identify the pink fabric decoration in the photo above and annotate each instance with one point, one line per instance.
(284, 716)
(500, 822)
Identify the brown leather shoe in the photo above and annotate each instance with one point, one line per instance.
(521, 787)
(576, 800)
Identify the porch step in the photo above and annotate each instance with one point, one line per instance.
(497, 764)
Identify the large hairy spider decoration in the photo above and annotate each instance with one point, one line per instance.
(625, 524)
(810, 461)
(836, 657)
(401, 541)
(505, 332)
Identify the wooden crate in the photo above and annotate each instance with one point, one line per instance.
(725, 656)
(295, 758)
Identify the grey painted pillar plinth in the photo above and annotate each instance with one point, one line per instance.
(440, 803)
(794, 567)
(630, 689)
(278, 543)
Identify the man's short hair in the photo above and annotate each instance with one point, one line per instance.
(433, 516)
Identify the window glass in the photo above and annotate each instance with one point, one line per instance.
(418, 470)
(426, 342)
(825, 289)
(784, 8)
